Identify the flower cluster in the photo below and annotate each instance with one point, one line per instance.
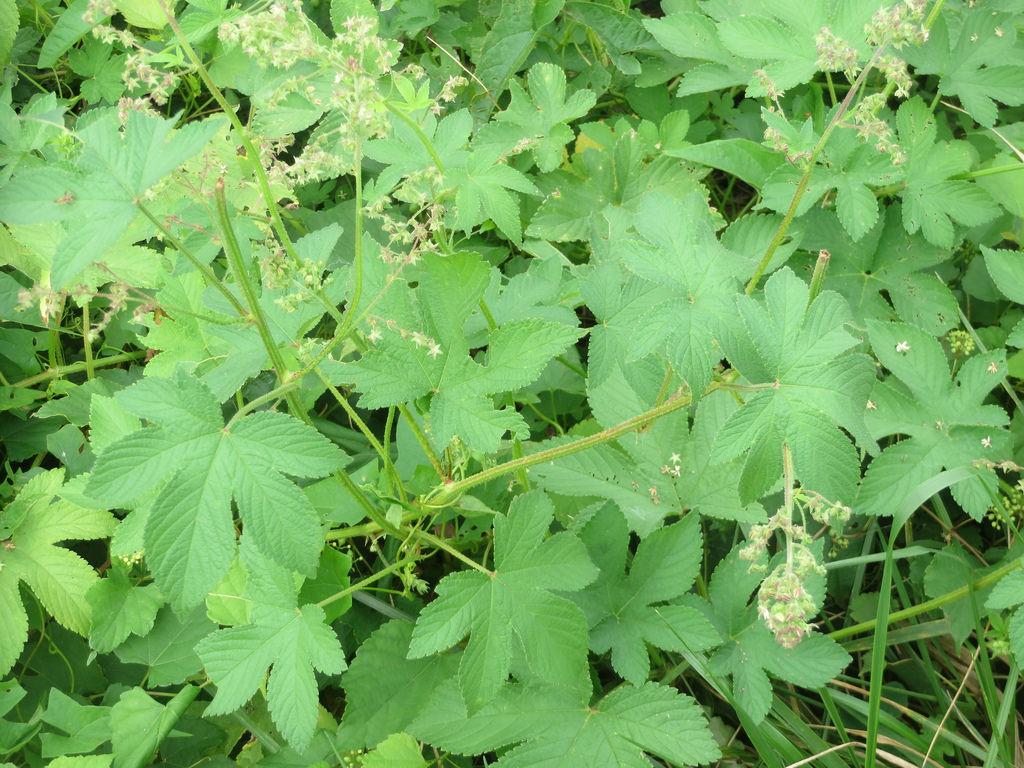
(774, 139)
(784, 601)
(418, 338)
(771, 90)
(339, 76)
(835, 54)
(961, 343)
(898, 25)
(1011, 509)
(870, 126)
(157, 83)
(785, 604)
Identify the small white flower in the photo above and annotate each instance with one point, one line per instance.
(986, 442)
(993, 367)
(871, 405)
(675, 458)
(435, 349)
(903, 346)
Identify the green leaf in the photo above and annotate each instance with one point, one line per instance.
(627, 611)
(58, 577)
(120, 608)
(399, 750)
(946, 423)
(539, 117)
(745, 159)
(68, 29)
(167, 650)
(384, 689)
(293, 641)
(76, 728)
(1007, 270)
(200, 465)
(516, 604)
(810, 389)
(342, 10)
(888, 273)
(849, 167)
(9, 22)
(552, 727)
(680, 254)
(484, 191)
(933, 200)
(432, 356)
(983, 66)
(135, 721)
(99, 202)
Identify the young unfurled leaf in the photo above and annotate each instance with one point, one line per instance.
(515, 609)
(36, 521)
(200, 465)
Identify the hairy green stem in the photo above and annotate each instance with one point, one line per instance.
(929, 605)
(801, 188)
(251, 151)
(66, 370)
(204, 269)
(451, 491)
(244, 280)
(371, 579)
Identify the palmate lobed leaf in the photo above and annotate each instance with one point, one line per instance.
(813, 389)
(434, 359)
(515, 608)
(36, 521)
(199, 466)
(626, 611)
(553, 727)
(947, 423)
(293, 641)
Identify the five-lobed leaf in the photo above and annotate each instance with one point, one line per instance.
(946, 423)
(199, 466)
(627, 611)
(810, 390)
(293, 641)
(515, 609)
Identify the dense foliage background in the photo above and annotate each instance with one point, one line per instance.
(522, 383)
